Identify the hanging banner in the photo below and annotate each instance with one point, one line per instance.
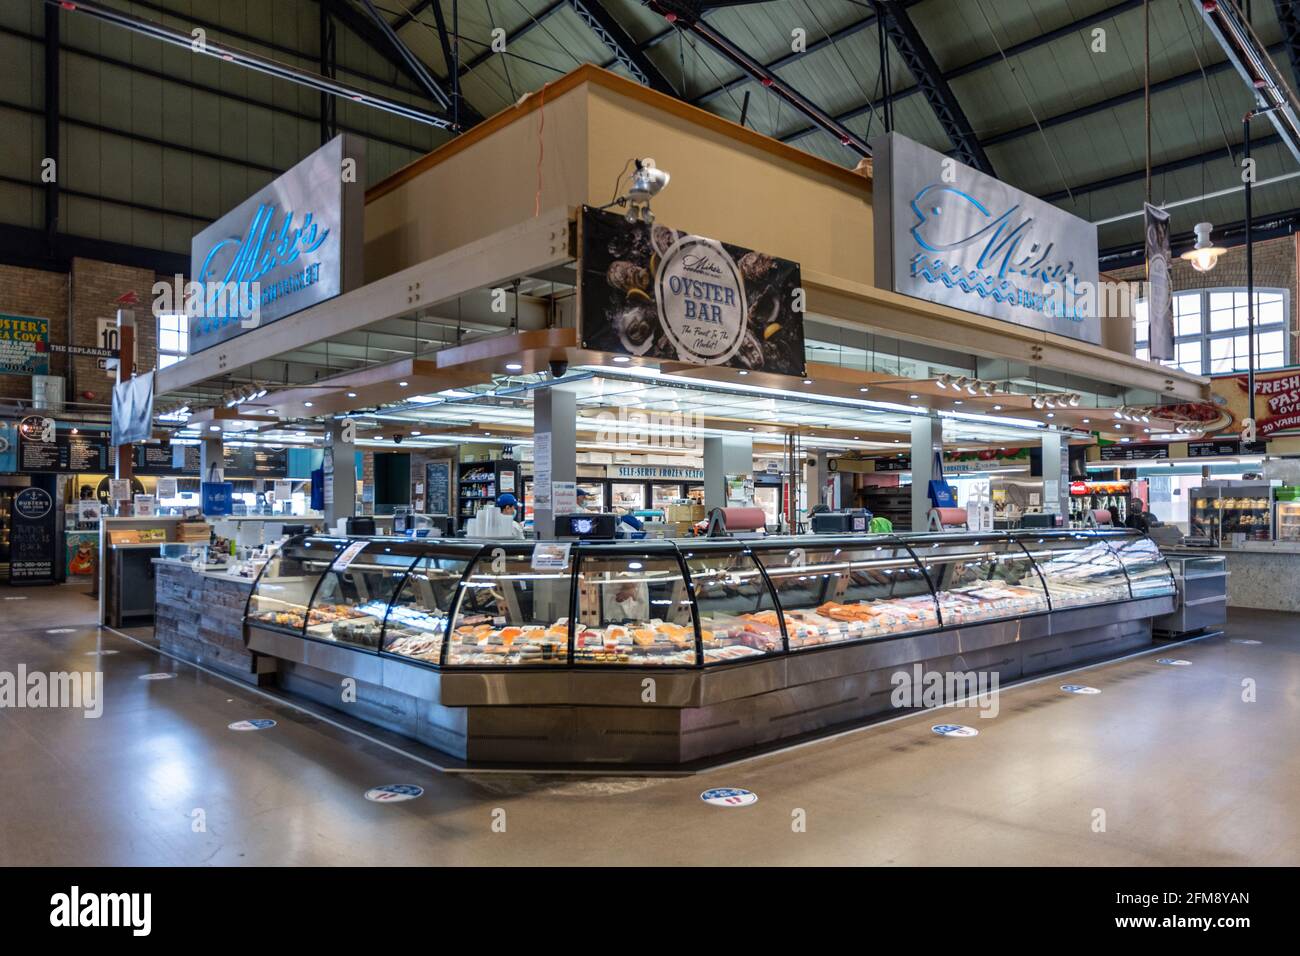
(1160, 299)
(24, 345)
(295, 242)
(953, 235)
(1277, 402)
(133, 410)
(648, 290)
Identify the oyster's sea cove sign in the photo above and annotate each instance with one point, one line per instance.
(299, 238)
(950, 234)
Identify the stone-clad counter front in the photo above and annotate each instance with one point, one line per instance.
(200, 617)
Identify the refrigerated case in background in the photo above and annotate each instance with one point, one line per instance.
(625, 496)
(450, 641)
(1286, 508)
(1224, 512)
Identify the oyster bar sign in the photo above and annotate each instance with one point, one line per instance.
(293, 243)
(950, 234)
(655, 292)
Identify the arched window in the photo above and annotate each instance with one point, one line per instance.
(1210, 331)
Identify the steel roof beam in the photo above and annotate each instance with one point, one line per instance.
(1171, 166)
(626, 52)
(251, 61)
(911, 47)
(981, 63)
(685, 15)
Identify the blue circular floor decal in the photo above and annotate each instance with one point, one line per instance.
(394, 793)
(729, 797)
(258, 723)
(100, 653)
(1173, 661)
(1079, 689)
(1245, 640)
(161, 675)
(955, 730)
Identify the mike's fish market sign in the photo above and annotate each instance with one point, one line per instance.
(654, 292)
(950, 234)
(293, 243)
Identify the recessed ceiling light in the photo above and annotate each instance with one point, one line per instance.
(307, 404)
(352, 394)
(1086, 420)
(415, 433)
(807, 381)
(621, 359)
(914, 397)
(958, 401)
(864, 389)
(513, 367)
(214, 428)
(742, 372)
(301, 434)
(1051, 414)
(997, 408)
(403, 384)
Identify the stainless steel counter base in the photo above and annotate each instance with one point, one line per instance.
(678, 716)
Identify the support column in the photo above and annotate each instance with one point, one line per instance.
(927, 438)
(1056, 474)
(341, 457)
(212, 459)
(722, 457)
(555, 456)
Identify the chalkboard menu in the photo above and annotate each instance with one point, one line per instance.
(32, 538)
(437, 477)
(68, 452)
(1146, 452)
(1225, 446)
(261, 462)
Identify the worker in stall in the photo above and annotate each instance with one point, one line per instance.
(508, 504)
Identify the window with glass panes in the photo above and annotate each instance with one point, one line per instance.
(1210, 335)
(173, 338)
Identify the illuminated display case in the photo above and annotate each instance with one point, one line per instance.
(663, 604)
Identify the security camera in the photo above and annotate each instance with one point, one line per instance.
(558, 367)
(647, 182)
(398, 438)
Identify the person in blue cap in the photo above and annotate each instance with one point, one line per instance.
(509, 506)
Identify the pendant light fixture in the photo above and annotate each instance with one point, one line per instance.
(1204, 256)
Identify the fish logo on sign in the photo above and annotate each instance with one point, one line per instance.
(729, 797)
(394, 793)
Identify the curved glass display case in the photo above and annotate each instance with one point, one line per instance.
(654, 604)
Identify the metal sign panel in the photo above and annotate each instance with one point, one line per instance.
(950, 234)
(292, 244)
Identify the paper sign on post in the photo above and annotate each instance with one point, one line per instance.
(551, 555)
(166, 488)
(119, 489)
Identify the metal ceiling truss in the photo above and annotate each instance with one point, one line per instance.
(921, 64)
(250, 61)
(1261, 75)
(985, 61)
(626, 52)
(687, 15)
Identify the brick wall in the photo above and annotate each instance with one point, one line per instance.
(1275, 268)
(43, 295)
(94, 288)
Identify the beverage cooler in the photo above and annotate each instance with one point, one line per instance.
(1286, 514)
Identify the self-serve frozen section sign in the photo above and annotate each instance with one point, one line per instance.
(953, 235)
(293, 243)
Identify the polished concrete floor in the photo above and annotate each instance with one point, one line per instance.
(1168, 765)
